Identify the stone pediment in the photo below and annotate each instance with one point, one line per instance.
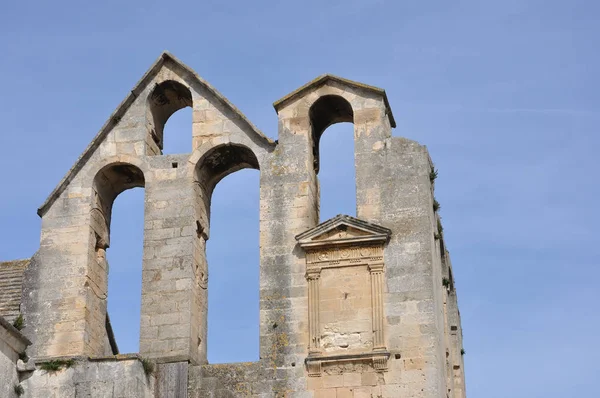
(342, 230)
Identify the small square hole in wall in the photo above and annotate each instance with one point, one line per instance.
(174, 165)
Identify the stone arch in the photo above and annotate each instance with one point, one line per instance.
(332, 99)
(164, 100)
(324, 112)
(108, 182)
(214, 164)
(329, 100)
(222, 160)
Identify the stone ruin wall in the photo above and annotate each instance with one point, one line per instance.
(352, 307)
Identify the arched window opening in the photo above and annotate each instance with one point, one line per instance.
(125, 274)
(337, 175)
(231, 208)
(327, 110)
(334, 155)
(166, 99)
(178, 133)
(121, 229)
(233, 294)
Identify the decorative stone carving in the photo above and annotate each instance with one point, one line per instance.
(200, 260)
(315, 363)
(333, 247)
(314, 368)
(203, 282)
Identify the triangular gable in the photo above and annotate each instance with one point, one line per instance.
(116, 116)
(324, 79)
(343, 229)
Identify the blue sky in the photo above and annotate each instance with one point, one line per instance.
(504, 94)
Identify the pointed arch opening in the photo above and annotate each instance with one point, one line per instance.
(119, 227)
(227, 183)
(332, 129)
(166, 99)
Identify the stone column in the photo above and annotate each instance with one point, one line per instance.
(376, 271)
(312, 276)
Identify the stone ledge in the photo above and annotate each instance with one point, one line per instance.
(118, 357)
(377, 358)
(84, 358)
(13, 336)
(112, 358)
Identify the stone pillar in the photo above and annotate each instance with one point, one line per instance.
(376, 271)
(170, 313)
(312, 276)
(371, 130)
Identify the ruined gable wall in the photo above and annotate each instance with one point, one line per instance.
(69, 274)
(65, 294)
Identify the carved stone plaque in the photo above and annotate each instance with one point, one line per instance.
(344, 272)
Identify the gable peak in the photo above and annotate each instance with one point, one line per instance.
(324, 79)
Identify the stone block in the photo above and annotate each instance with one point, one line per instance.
(326, 393)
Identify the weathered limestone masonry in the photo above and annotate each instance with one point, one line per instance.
(349, 307)
(12, 343)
